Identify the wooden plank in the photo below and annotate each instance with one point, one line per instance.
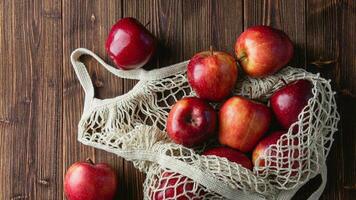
(329, 34)
(197, 30)
(347, 105)
(86, 24)
(215, 23)
(168, 29)
(47, 126)
(227, 24)
(323, 44)
(30, 102)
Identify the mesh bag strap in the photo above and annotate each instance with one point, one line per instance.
(84, 77)
(317, 193)
(137, 74)
(288, 194)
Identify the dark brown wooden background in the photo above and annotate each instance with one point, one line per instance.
(41, 100)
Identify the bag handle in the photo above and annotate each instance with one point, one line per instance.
(288, 194)
(324, 176)
(137, 74)
(84, 77)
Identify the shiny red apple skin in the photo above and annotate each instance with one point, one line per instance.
(271, 139)
(242, 122)
(129, 44)
(289, 101)
(212, 75)
(230, 154)
(263, 145)
(191, 122)
(263, 50)
(172, 187)
(87, 181)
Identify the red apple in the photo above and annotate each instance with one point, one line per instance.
(230, 154)
(289, 101)
(129, 44)
(89, 181)
(212, 75)
(242, 122)
(263, 145)
(191, 122)
(173, 186)
(263, 50)
(281, 160)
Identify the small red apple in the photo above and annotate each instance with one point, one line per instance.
(230, 154)
(263, 50)
(277, 160)
(289, 101)
(242, 122)
(89, 181)
(191, 122)
(129, 44)
(173, 186)
(212, 75)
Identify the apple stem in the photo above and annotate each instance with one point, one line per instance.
(89, 160)
(211, 50)
(242, 56)
(148, 23)
(284, 81)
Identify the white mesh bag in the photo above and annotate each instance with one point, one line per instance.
(133, 126)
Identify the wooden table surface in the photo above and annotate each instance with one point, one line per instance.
(41, 100)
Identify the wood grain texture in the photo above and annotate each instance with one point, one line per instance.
(41, 100)
(31, 100)
(347, 103)
(211, 23)
(86, 24)
(323, 44)
(329, 32)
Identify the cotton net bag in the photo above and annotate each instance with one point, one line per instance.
(132, 126)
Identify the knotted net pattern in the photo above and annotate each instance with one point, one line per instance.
(133, 127)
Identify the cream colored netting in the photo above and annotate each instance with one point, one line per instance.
(133, 127)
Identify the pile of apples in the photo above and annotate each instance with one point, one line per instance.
(242, 125)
